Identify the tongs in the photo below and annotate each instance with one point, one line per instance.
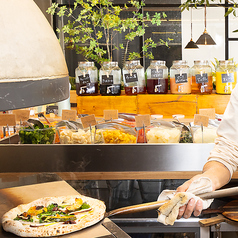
(155, 205)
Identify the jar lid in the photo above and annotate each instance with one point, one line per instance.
(86, 63)
(134, 62)
(157, 62)
(201, 62)
(180, 62)
(226, 62)
(110, 63)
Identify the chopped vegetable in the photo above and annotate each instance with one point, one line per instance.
(37, 136)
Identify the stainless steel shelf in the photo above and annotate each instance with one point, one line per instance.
(107, 158)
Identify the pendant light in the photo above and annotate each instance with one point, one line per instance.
(191, 44)
(205, 38)
(32, 63)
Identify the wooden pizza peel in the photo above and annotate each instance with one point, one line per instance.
(12, 197)
(227, 213)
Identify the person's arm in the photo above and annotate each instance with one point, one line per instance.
(218, 174)
(223, 159)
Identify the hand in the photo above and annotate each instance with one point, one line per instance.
(191, 207)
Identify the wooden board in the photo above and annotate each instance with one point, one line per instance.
(11, 197)
(219, 102)
(164, 104)
(97, 104)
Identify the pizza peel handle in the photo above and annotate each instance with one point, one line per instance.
(136, 208)
(220, 193)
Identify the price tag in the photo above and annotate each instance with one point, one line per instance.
(69, 115)
(110, 114)
(142, 120)
(210, 112)
(88, 121)
(201, 120)
(7, 120)
(22, 115)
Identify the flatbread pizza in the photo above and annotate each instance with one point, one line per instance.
(53, 216)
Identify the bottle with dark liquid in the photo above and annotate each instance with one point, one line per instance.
(86, 79)
(134, 78)
(110, 79)
(157, 77)
(201, 77)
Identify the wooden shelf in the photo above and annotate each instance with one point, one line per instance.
(165, 104)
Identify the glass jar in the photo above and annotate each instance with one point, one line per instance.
(134, 78)
(86, 79)
(110, 79)
(157, 77)
(226, 77)
(201, 77)
(180, 78)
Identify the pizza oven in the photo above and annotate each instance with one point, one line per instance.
(33, 67)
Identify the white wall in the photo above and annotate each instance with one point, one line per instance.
(215, 27)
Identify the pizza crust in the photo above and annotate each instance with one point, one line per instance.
(86, 219)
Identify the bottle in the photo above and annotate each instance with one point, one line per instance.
(110, 79)
(226, 77)
(180, 78)
(86, 79)
(134, 78)
(157, 77)
(201, 77)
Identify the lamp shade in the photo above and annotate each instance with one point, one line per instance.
(191, 45)
(205, 39)
(33, 70)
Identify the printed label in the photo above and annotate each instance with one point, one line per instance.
(181, 78)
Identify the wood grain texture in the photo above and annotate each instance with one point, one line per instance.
(8, 177)
(165, 104)
(96, 104)
(219, 102)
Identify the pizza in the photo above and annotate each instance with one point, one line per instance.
(53, 216)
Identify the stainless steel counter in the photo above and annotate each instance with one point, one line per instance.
(97, 158)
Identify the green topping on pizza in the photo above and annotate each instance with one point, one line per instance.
(54, 213)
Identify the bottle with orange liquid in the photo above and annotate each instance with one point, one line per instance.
(201, 77)
(180, 77)
(226, 77)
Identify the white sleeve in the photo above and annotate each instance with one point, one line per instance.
(226, 145)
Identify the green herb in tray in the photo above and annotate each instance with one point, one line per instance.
(37, 136)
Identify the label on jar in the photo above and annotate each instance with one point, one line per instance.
(84, 79)
(157, 73)
(181, 78)
(107, 79)
(227, 78)
(129, 78)
(201, 78)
